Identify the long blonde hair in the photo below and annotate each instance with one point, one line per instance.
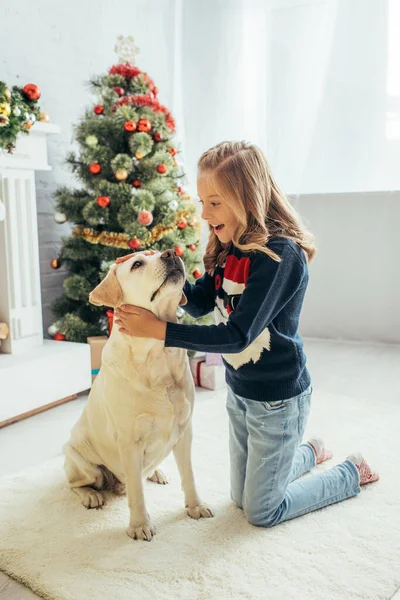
(242, 177)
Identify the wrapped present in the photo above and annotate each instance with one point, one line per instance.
(96, 344)
(206, 376)
(214, 360)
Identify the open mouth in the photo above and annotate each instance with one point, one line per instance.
(218, 228)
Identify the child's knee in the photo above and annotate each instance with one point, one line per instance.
(261, 518)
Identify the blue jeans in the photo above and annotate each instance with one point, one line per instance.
(267, 458)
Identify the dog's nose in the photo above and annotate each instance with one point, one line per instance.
(168, 254)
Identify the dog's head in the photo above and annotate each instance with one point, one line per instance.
(154, 282)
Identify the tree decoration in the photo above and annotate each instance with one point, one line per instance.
(145, 218)
(31, 91)
(59, 337)
(144, 125)
(103, 201)
(60, 217)
(130, 126)
(182, 224)
(55, 263)
(95, 168)
(134, 243)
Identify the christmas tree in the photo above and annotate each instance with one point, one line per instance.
(131, 196)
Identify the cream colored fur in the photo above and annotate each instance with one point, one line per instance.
(141, 402)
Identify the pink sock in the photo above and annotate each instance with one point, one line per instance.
(321, 453)
(367, 475)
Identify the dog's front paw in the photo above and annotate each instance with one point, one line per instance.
(199, 510)
(144, 531)
(92, 499)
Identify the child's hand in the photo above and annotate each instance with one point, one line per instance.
(122, 259)
(139, 322)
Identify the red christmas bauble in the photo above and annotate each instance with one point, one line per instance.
(98, 109)
(162, 169)
(130, 126)
(144, 125)
(197, 273)
(103, 201)
(192, 247)
(172, 151)
(182, 224)
(119, 90)
(95, 168)
(157, 137)
(181, 190)
(136, 183)
(145, 218)
(110, 317)
(179, 251)
(134, 243)
(31, 91)
(59, 337)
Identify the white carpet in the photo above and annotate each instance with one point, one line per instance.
(349, 550)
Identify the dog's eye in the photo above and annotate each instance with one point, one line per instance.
(136, 264)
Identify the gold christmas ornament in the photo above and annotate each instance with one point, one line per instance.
(5, 109)
(44, 117)
(28, 124)
(7, 94)
(121, 174)
(139, 155)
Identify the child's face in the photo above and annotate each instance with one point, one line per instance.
(215, 210)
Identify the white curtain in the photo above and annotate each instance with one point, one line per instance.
(315, 83)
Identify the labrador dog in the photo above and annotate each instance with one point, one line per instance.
(140, 405)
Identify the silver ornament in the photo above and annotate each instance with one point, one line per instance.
(32, 117)
(27, 116)
(173, 204)
(17, 111)
(60, 218)
(52, 330)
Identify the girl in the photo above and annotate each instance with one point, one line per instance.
(255, 280)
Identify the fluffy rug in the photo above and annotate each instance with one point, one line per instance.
(350, 550)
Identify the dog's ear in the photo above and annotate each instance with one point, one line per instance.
(108, 292)
(183, 300)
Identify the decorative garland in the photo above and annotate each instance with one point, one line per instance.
(121, 240)
(147, 100)
(18, 112)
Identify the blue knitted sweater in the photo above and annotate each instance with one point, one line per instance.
(257, 303)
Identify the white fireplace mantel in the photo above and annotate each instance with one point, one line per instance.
(30, 375)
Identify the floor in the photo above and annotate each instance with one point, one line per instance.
(352, 369)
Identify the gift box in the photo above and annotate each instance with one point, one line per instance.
(211, 377)
(214, 360)
(96, 344)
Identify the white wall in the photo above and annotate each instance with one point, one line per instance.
(354, 290)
